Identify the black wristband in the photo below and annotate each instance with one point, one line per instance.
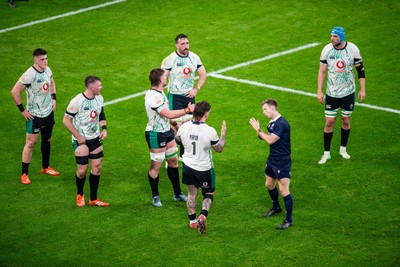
(53, 96)
(104, 127)
(21, 107)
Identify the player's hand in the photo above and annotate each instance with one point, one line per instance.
(223, 128)
(27, 115)
(361, 96)
(191, 107)
(103, 134)
(192, 93)
(81, 140)
(255, 124)
(320, 97)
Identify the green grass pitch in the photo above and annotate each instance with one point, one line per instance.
(346, 212)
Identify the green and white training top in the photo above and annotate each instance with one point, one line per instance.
(182, 71)
(85, 113)
(37, 86)
(155, 101)
(340, 62)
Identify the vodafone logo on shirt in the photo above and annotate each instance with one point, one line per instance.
(186, 70)
(93, 114)
(340, 64)
(45, 86)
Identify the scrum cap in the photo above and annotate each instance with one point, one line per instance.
(339, 31)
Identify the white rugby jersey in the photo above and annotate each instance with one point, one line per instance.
(182, 71)
(37, 86)
(85, 113)
(197, 138)
(155, 101)
(340, 62)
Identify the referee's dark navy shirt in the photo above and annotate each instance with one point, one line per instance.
(281, 148)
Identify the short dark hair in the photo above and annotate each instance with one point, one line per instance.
(39, 52)
(155, 76)
(200, 109)
(90, 80)
(270, 102)
(180, 36)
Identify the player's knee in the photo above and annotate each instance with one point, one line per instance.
(81, 172)
(270, 185)
(284, 192)
(30, 144)
(96, 167)
(345, 122)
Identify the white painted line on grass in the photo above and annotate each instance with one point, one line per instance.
(274, 87)
(124, 98)
(267, 57)
(378, 108)
(61, 16)
(293, 91)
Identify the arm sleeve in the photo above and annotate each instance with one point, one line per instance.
(102, 116)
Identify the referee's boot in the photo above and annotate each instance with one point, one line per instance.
(272, 212)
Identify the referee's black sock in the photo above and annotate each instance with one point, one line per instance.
(274, 194)
(289, 207)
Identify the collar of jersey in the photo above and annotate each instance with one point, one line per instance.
(197, 122)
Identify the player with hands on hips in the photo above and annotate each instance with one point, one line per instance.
(83, 118)
(180, 68)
